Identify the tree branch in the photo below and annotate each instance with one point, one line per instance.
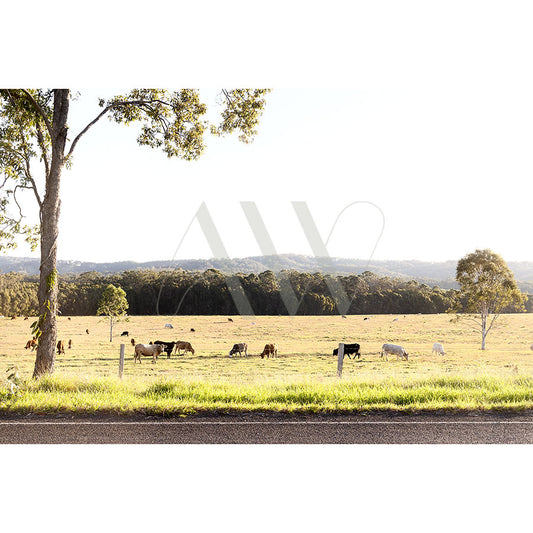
(108, 108)
(39, 110)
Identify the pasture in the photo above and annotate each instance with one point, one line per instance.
(305, 361)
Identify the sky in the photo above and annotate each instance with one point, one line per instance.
(425, 130)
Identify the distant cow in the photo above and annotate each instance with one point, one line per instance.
(394, 349)
(185, 346)
(132, 341)
(438, 348)
(230, 319)
(87, 331)
(31, 344)
(147, 349)
(60, 347)
(69, 344)
(169, 326)
(25, 318)
(240, 347)
(366, 318)
(350, 349)
(269, 350)
(168, 347)
(125, 334)
(69, 318)
(193, 330)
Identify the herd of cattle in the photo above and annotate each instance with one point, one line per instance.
(155, 349)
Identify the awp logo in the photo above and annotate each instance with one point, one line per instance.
(266, 245)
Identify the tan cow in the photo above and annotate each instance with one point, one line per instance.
(147, 349)
(269, 350)
(185, 346)
(60, 347)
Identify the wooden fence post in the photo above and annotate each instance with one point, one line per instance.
(340, 360)
(121, 361)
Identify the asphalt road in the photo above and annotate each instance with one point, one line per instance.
(271, 429)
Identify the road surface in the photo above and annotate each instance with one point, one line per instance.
(270, 429)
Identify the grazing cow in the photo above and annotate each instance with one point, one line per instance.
(395, 320)
(147, 349)
(60, 347)
(193, 330)
(394, 349)
(13, 318)
(230, 319)
(69, 344)
(169, 326)
(125, 334)
(31, 344)
(343, 316)
(69, 318)
(269, 350)
(25, 318)
(240, 347)
(366, 318)
(132, 341)
(350, 349)
(168, 347)
(183, 345)
(438, 348)
(87, 331)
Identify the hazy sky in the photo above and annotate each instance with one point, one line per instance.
(431, 124)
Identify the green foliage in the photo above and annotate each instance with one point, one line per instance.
(113, 302)
(243, 110)
(149, 292)
(487, 285)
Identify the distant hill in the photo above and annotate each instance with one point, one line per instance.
(431, 273)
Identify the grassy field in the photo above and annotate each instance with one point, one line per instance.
(301, 378)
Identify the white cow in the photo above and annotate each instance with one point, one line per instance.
(154, 350)
(438, 348)
(394, 349)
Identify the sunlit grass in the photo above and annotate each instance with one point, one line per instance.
(182, 397)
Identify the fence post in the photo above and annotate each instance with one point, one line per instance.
(121, 361)
(340, 360)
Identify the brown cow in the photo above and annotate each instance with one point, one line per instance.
(185, 346)
(133, 342)
(31, 344)
(269, 350)
(230, 319)
(60, 347)
(69, 344)
(87, 331)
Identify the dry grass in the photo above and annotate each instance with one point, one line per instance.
(305, 347)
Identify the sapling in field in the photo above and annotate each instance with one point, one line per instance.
(113, 304)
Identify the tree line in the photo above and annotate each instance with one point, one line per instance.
(182, 292)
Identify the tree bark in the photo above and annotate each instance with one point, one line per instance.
(50, 210)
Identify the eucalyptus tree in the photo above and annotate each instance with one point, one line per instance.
(34, 134)
(487, 289)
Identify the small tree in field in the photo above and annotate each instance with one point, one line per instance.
(114, 305)
(487, 288)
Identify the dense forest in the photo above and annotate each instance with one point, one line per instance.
(184, 292)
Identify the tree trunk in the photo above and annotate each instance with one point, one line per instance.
(111, 329)
(48, 283)
(483, 331)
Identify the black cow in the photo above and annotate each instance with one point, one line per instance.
(350, 349)
(125, 334)
(168, 347)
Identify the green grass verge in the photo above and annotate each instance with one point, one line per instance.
(180, 397)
